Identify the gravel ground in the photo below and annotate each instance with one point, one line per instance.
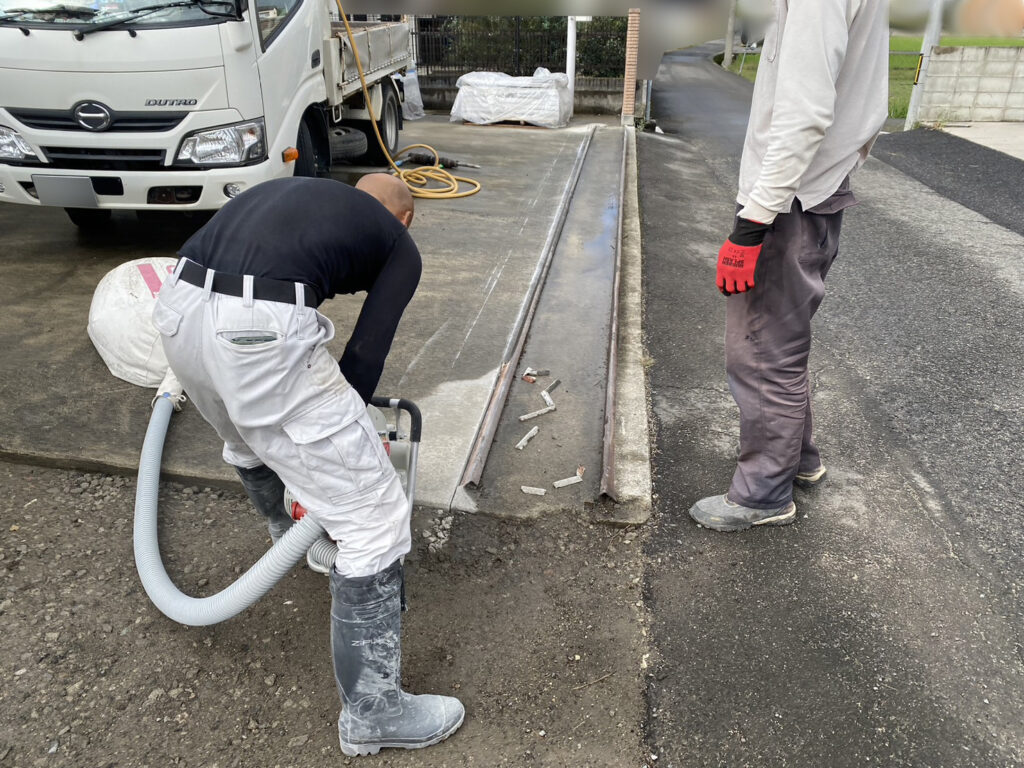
(537, 627)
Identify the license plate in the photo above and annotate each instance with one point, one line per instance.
(65, 191)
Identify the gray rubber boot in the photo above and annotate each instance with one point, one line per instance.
(266, 492)
(366, 644)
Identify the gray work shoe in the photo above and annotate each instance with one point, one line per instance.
(266, 492)
(366, 646)
(808, 480)
(719, 513)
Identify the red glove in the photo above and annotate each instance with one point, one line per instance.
(737, 258)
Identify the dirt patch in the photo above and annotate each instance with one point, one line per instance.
(537, 627)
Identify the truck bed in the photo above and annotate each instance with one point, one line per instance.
(384, 48)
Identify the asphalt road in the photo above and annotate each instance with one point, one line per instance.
(978, 178)
(885, 626)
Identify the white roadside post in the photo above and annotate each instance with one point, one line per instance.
(570, 62)
(932, 36)
(730, 36)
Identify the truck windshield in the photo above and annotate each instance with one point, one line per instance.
(106, 14)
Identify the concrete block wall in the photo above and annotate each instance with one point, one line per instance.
(974, 84)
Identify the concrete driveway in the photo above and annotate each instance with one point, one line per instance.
(479, 255)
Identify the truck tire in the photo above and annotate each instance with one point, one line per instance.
(347, 142)
(389, 124)
(89, 219)
(307, 164)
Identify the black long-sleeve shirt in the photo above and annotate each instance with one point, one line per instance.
(330, 236)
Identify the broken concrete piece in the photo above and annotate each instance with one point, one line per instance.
(531, 374)
(577, 478)
(527, 438)
(528, 489)
(535, 414)
(547, 399)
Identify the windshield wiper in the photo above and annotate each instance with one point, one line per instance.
(77, 10)
(146, 10)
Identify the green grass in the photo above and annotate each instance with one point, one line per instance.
(902, 67)
(748, 64)
(913, 44)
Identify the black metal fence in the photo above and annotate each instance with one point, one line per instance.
(517, 45)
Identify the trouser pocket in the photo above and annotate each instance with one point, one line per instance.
(339, 449)
(166, 320)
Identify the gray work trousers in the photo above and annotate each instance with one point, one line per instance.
(767, 343)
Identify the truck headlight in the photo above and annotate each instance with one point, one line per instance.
(237, 144)
(12, 146)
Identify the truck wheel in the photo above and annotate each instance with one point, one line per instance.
(389, 124)
(306, 165)
(347, 142)
(89, 219)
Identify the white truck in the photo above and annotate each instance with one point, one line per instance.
(183, 104)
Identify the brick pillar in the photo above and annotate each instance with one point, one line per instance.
(632, 50)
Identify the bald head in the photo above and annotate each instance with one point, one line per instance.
(391, 192)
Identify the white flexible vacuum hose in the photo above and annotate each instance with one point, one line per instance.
(249, 588)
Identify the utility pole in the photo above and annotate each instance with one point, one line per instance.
(570, 61)
(730, 35)
(932, 36)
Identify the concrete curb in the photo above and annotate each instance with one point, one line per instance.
(46, 460)
(632, 423)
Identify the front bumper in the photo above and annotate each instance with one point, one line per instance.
(121, 170)
(135, 186)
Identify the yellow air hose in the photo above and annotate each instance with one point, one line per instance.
(445, 184)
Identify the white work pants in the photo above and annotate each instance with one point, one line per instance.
(259, 372)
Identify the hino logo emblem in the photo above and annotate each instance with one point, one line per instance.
(171, 102)
(92, 116)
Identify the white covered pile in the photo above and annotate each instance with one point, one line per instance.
(494, 97)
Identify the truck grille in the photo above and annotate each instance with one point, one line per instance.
(86, 158)
(64, 120)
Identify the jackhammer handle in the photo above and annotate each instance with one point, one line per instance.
(416, 428)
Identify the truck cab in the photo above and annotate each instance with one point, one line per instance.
(182, 104)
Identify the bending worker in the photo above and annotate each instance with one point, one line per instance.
(241, 330)
(820, 99)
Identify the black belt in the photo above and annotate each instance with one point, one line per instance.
(263, 288)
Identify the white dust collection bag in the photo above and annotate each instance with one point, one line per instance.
(412, 106)
(493, 97)
(121, 325)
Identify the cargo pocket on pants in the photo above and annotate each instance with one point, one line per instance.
(344, 458)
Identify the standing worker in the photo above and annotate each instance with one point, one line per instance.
(820, 100)
(241, 331)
